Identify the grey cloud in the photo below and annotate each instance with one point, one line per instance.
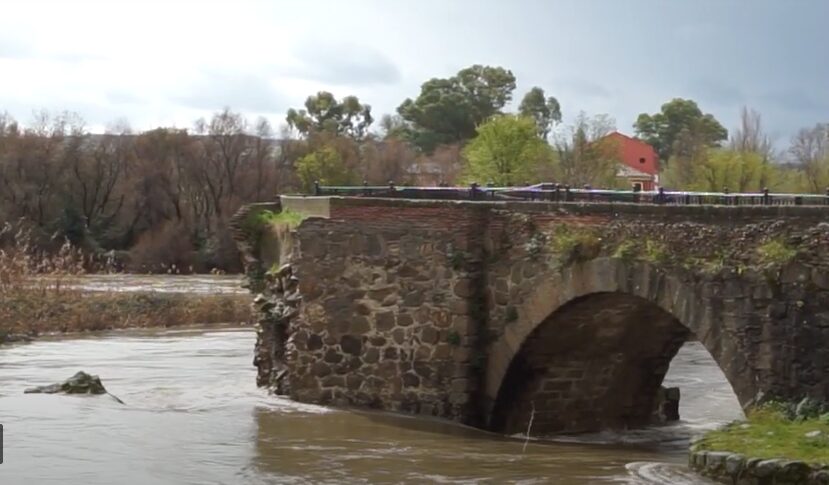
(793, 99)
(13, 48)
(245, 92)
(579, 87)
(344, 64)
(715, 92)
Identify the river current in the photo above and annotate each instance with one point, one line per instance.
(193, 415)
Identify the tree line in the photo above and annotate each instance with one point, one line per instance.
(159, 200)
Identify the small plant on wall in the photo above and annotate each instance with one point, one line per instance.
(655, 252)
(775, 253)
(628, 250)
(576, 244)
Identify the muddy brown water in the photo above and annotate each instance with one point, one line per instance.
(193, 415)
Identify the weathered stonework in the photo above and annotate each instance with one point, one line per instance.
(483, 311)
(736, 469)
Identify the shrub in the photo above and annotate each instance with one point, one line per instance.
(167, 248)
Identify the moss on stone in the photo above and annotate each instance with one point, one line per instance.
(655, 252)
(627, 250)
(775, 252)
(647, 249)
(769, 433)
(453, 338)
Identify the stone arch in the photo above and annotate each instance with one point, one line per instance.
(593, 342)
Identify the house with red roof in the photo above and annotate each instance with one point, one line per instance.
(639, 167)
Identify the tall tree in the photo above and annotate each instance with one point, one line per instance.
(324, 113)
(546, 111)
(506, 151)
(679, 128)
(325, 166)
(449, 110)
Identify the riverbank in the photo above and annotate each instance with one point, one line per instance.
(26, 313)
(773, 443)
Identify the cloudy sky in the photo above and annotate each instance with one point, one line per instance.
(169, 62)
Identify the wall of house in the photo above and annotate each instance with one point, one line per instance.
(638, 155)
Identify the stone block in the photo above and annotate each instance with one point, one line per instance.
(351, 344)
(792, 473)
(320, 369)
(404, 319)
(384, 320)
(411, 380)
(371, 356)
(464, 288)
(734, 464)
(414, 298)
(459, 307)
(429, 335)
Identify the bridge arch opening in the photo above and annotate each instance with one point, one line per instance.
(596, 362)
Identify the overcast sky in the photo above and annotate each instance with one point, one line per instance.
(169, 62)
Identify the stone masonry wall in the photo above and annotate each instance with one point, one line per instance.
(385, 311)
(423, 306)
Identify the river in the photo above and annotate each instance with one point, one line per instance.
(193, 415)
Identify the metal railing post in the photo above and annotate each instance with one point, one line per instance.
(766, 196)
(473, 187)
(317, 190)
(567, 192)
(660, 196)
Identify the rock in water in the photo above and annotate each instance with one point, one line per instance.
(80, 383)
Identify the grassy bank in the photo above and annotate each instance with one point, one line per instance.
(34, 299)
(33, 312)
(771, 432)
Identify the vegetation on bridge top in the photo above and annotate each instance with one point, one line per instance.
(776, 430)
(256, 222)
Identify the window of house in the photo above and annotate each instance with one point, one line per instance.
(641, 160)
(637, 187)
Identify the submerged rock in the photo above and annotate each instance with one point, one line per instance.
(80, 383)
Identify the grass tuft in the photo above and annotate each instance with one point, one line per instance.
(769, 433)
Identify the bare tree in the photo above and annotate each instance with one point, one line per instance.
(810, 150)
(584, 157)
(750, 135)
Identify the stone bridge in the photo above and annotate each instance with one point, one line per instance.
(487, 312)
